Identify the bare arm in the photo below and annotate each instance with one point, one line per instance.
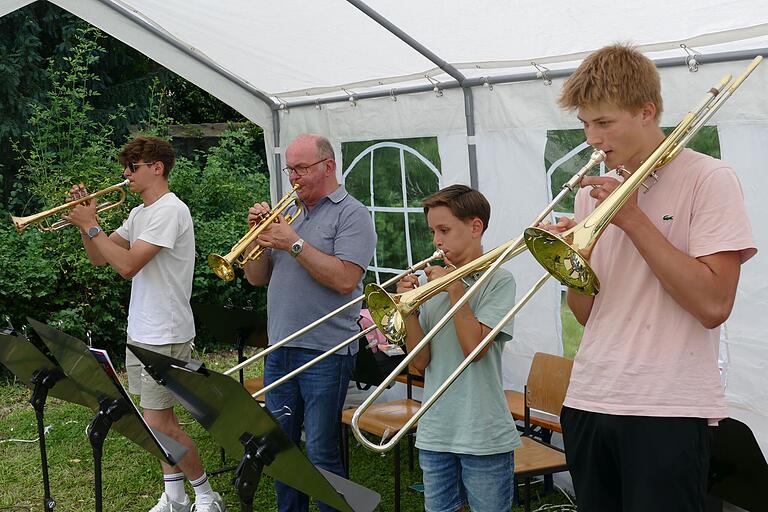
(414, 332)
(126, 259)
(94, 255)
(580, 304)
(330, 271)
(704, 286)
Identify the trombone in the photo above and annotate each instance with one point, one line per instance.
(437, 255)
(502, 253)
(566, 255)
(43, 222)
(223, 266)
(390, 311)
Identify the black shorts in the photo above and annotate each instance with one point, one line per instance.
(636, 463)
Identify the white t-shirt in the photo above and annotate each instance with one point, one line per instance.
(642, 354)
(159, 312)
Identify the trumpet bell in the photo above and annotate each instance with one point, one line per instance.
(561, 260)
(221, 267)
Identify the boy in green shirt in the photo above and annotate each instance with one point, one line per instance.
(466, 440)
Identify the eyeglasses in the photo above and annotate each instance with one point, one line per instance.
(301, 170)
(132, 166)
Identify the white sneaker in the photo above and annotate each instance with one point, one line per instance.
(166, 504)
(215, 505)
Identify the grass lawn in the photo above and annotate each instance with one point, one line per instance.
(132, 480)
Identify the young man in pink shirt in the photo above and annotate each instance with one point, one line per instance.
(645, 382)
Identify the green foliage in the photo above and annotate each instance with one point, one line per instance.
(219, 195)
(47, 275)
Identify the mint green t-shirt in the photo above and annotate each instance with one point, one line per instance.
(472, 416)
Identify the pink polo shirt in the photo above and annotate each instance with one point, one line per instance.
(642, 354)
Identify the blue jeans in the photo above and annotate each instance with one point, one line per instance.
(315, 398)
(451, 480)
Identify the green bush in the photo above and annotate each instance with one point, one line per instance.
(47, 276)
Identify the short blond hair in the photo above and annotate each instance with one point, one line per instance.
(619, 75)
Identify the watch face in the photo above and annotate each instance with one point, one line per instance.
(93, 231)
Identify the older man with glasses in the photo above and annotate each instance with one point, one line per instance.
(312, 266)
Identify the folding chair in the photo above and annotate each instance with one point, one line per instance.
(384, 419)
(545, 391)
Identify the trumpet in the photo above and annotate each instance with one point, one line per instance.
(502, 254)
(223, 266)
(390, 311)
(43, 219)
(565, 256)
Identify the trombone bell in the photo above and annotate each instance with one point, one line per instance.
(564, 262)
(386, 313)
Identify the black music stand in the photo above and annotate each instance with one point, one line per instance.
(240, 327)
(738, 472)
(250, 432)
(44, 377)
(108, 399)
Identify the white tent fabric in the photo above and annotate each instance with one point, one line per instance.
(257, 55)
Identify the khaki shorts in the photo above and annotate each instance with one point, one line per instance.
(153, 395)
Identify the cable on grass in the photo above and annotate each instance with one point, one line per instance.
(12, 440)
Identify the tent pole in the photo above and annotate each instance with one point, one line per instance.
(276, 151)
(469, 110)
(712, 58)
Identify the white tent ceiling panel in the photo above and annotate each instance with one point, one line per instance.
(289, 45)
(7, 6)
(493, 32)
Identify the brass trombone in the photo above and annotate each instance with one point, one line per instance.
(223, 266)
(503, 253)
(43, 219)
(437, 255)
(566, 256)
(390, 311)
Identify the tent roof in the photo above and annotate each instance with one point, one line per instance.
(297, 50)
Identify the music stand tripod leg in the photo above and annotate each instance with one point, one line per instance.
(109, 412)
(248, 473)
(43, 381)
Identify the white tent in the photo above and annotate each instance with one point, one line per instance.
(481, 79)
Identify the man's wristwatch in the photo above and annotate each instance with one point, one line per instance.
(296, 247)
(93, 231)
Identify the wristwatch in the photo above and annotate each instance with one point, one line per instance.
(296, 247)
(93, 231)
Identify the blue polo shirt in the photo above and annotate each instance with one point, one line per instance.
(340, 226)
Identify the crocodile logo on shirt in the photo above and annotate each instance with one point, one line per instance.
(667, 217)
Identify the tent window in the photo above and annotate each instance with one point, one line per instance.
(391, 178)
(565, 153)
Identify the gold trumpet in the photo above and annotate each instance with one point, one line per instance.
(43, 219)
(390, 311)
(565, 256)
(223, 266)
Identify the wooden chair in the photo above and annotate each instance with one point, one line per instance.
(383, 420)
(253, 385)
(545, 391)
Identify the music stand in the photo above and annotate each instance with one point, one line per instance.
(245, 429)
(738, 472)
(108, 399)
(240, 327)
(44, 377)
